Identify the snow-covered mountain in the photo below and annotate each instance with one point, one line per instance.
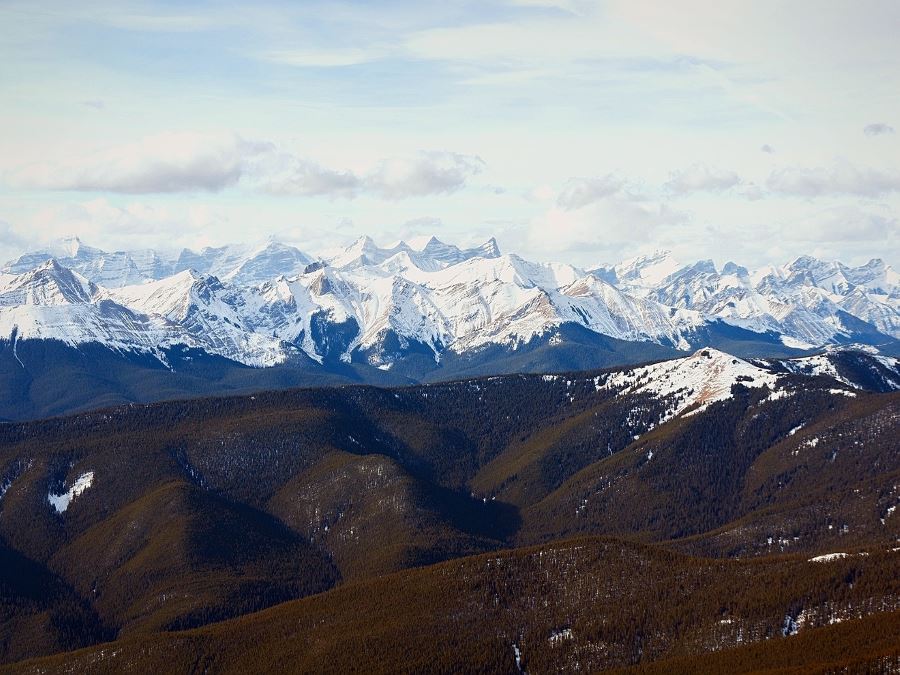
(268, 304)
(808, 302)
(693, 383)
(858, 366)
(238, 263)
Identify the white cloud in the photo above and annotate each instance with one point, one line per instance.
(579, 192)
(570, 6)
(700, 177)
(12, 241)
(133, 224)
(169, 162)
(184, 162)
(428, 173)
(613, 224)
(753, 192)
(304, 178)
(846, 223)
(841, 179)
(421, 175)
(322, 58)
(878, 129)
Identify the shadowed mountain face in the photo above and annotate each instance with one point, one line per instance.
(165, 517)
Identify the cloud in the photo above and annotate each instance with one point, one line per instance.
(613, 224)
(752, 192)
(321, 58)
(165, 163)
(701, 178)
(848, 223)
(12, 244)
(153, 20)
(304, 178)
(569, 6)
(129, 225)
(768, 149)
(429, 173)
(426, 224)
(185, 162)
(878, 129)
(579, 192)
(842, 179)
(424, 174)
(11, 237)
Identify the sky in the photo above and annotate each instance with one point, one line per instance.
(570, 130)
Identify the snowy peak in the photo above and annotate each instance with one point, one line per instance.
(490, 248)
(239, 264)
(70, 246)
(429, 254)
(245, 265)
(731, 268)
(451, 255)
(102, 268)
(364, 252)
(171, 297)
(835, 277)
(697, 381)
(268, 262)
(645, 271)
(48, 284)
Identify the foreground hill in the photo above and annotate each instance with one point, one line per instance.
(580, 605)
(174, 515)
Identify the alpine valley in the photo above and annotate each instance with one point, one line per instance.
(82, 328)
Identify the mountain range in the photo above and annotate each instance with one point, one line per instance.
(406, 313)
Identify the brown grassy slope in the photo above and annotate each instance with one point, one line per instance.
(738, 473)
(374, 517)
(377, 468)
(179, 556)
(867, 645)
(40, 614)
(588, 603)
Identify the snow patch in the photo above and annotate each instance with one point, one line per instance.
(795, 343)
(828, 557)
(560, 636)
(61, 502)
(518, 654)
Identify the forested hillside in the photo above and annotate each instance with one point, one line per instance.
(136, 523)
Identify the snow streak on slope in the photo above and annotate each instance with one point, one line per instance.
(60, 502)
(699, 380)
(813, 366)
